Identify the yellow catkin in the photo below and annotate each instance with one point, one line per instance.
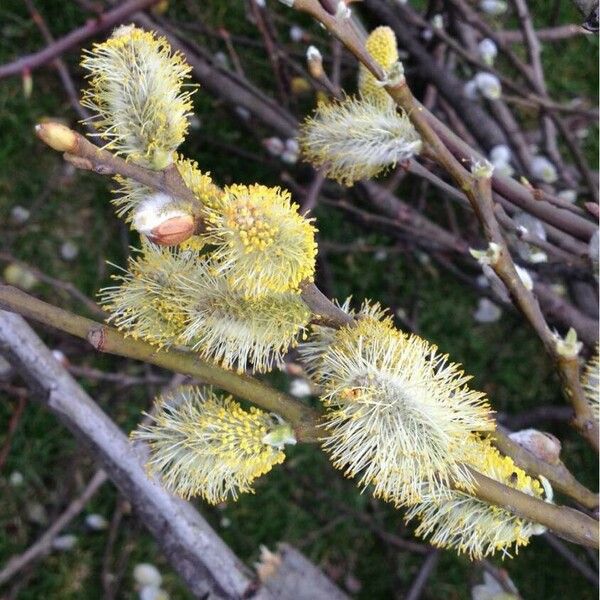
(145, 302)
(176, 296)
(136, 92)
(236, 331)
(206, 191)
(204, 444)
(397, 411)
(262, 244)
(458, 521)
(381, 44)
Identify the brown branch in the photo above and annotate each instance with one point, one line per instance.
(92, 27)
(408, 216)
(470, 15)
(549, 34)
(109, 583)
(534, 416)
(519, 195)
(267, 34)
(563, 312)
(120, 379)
(557, 474)
(108, 339)
(84, 155)
(568, 523)
(532, 46)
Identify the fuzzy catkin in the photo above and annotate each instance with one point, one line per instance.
(456, 520)
(236, 331)
(397, 411)
(262, 244)
(360, 137)
(356, 139)
(136, 92)
(172, 297)
(205, 444)
(144, 304)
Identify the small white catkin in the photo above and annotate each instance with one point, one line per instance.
(64, 542)
(494, 8)
(543, 169)
(147, 574)
(500, 153)
(487, 50)
(489, 85)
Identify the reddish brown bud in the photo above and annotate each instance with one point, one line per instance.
(173, 231)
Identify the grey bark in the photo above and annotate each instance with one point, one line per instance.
(205, 563)
(298, 579)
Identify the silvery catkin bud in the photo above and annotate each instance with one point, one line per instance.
(355, 139)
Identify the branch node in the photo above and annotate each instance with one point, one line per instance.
(97, 338)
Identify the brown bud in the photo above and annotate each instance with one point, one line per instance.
(57, 136)
(542, 445)
(173, 231)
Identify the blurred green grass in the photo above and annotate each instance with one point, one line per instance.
(504, 358)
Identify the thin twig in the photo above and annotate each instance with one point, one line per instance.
(548, 34)
(74, 38)
(427, 568)
(57, 284)
(571, 558)
(61, 67)
(44, 544)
